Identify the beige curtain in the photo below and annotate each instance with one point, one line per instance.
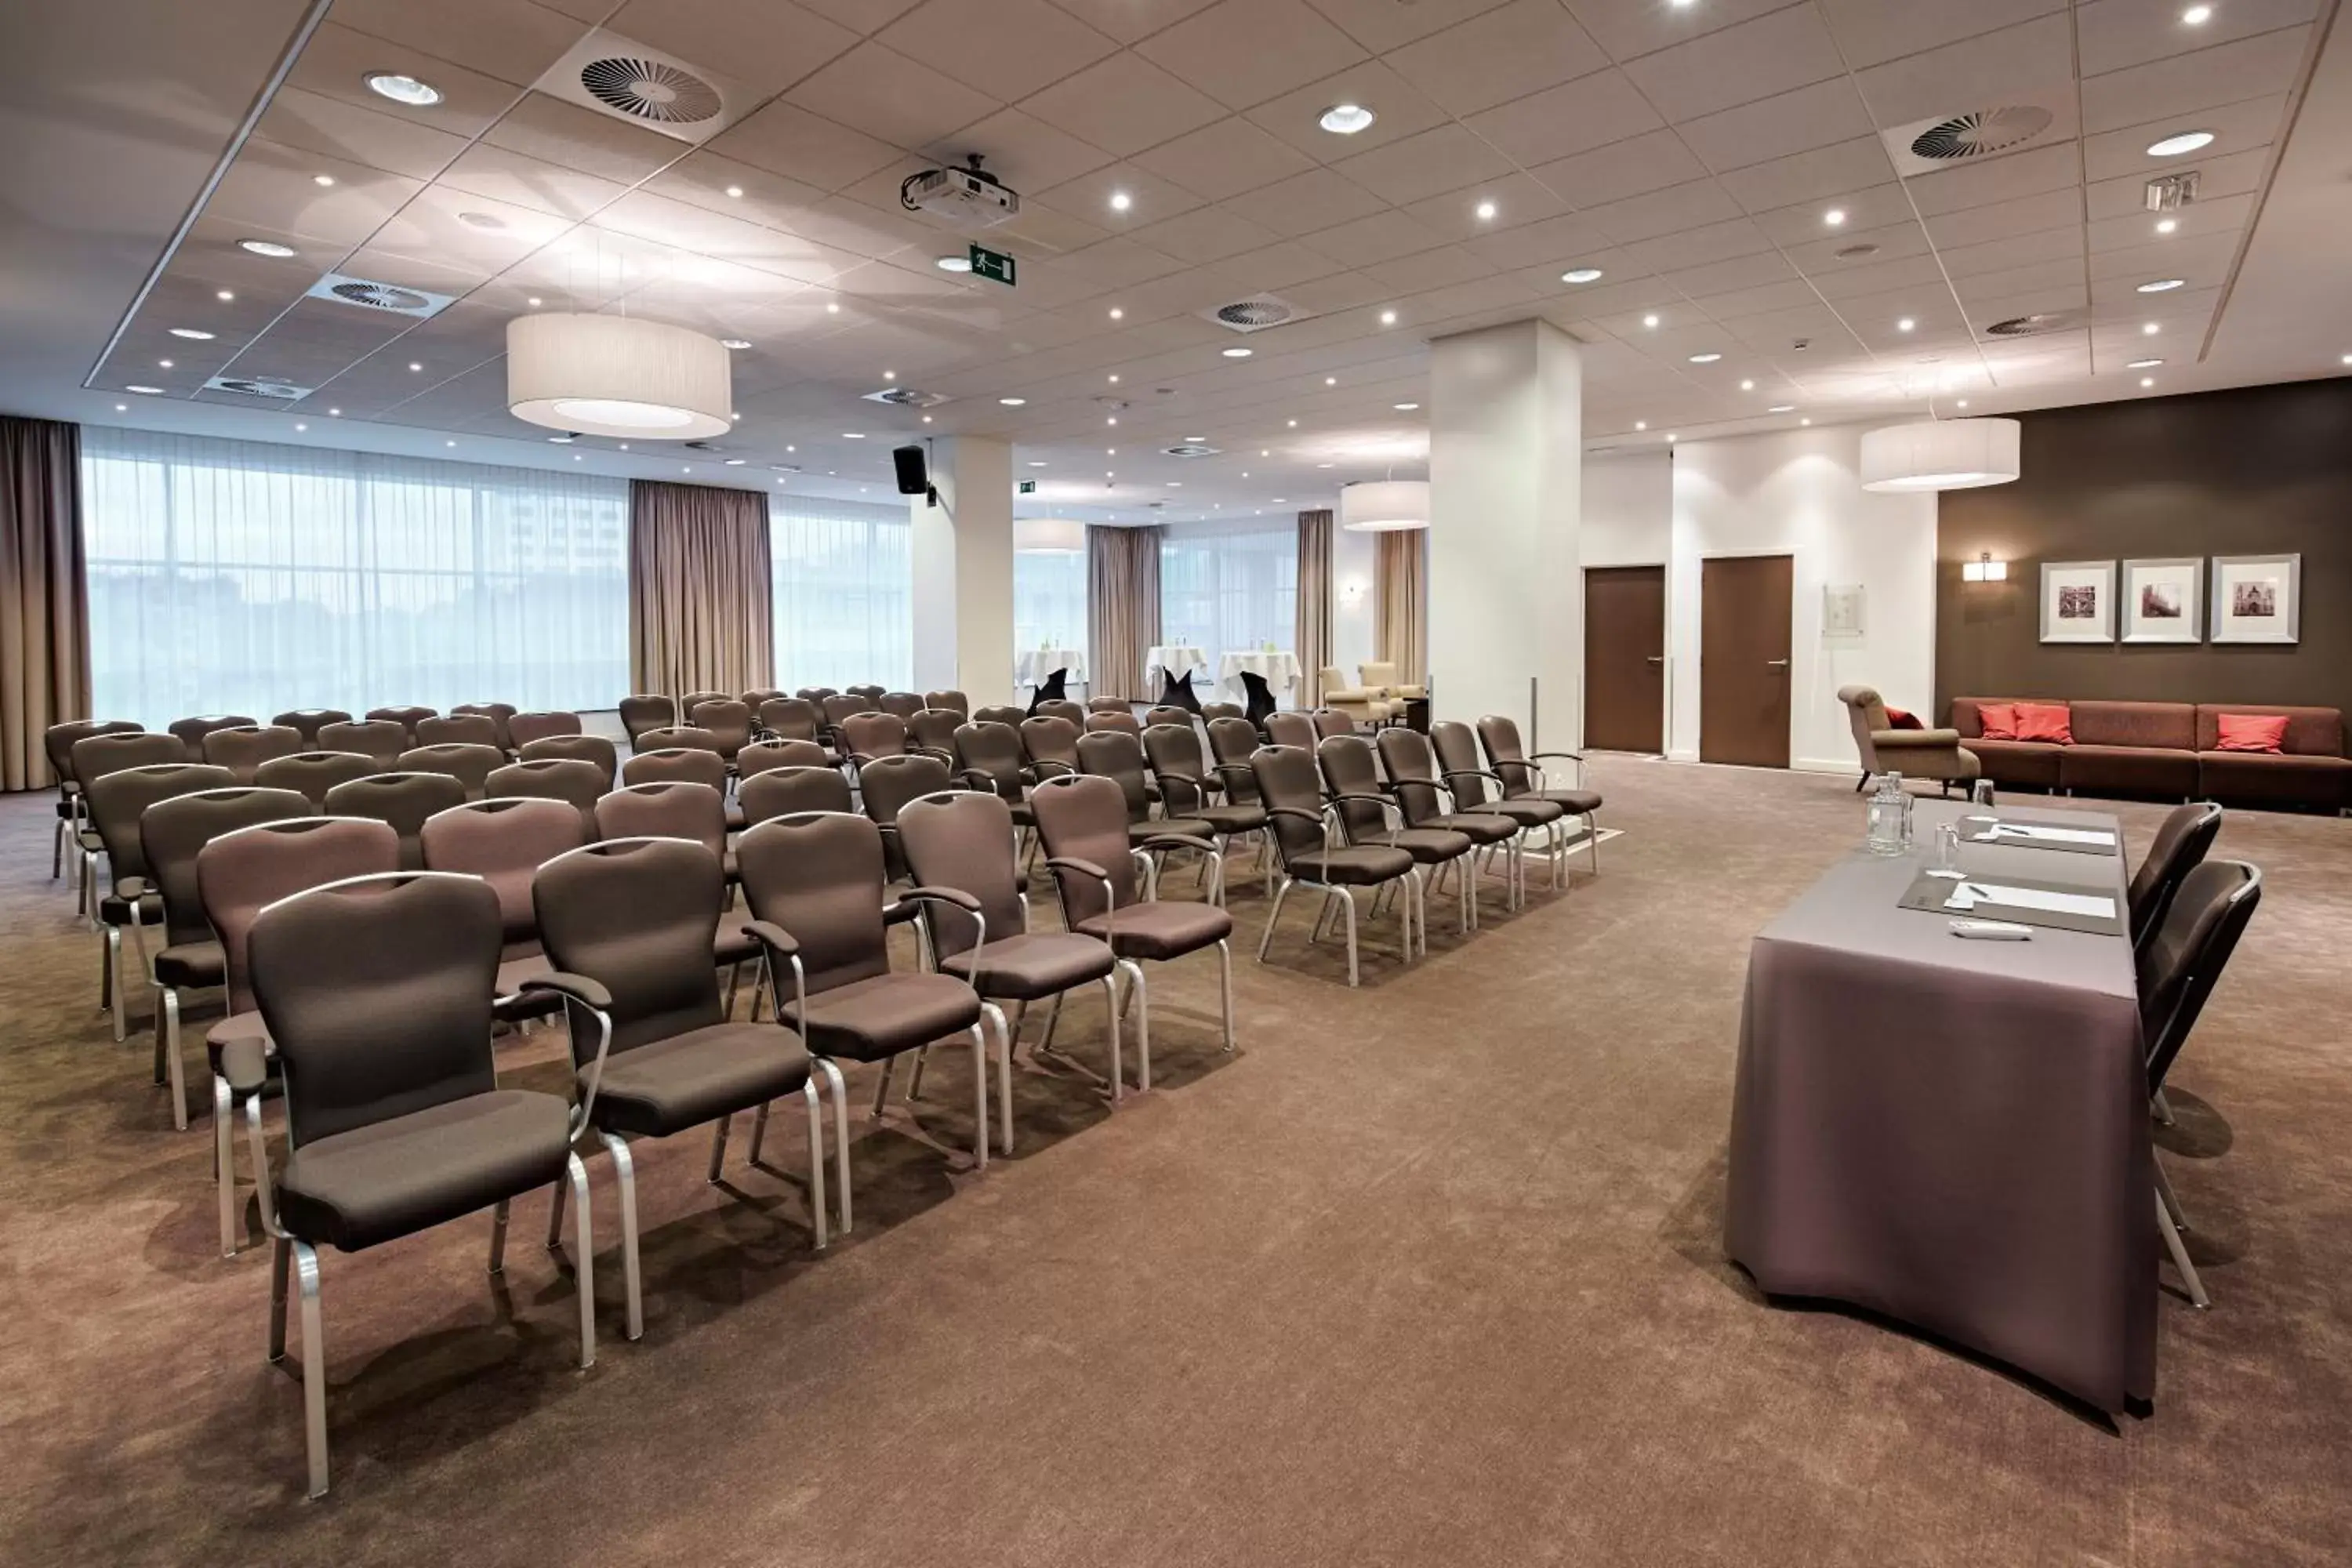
(1314, 629)
(44, 594)
(700, 611)
(1400, 603)
(1122, 608)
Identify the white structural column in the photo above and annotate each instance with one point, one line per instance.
(1506, 471)
(964, 571)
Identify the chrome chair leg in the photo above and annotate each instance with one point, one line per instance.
(2163, 1108)
(173, 1068)
(314, 1366)
(759, 1133)
(840, 1093)
(995, 1016)
(2173, 1244)
(979, 1034)
(1349, 895)
(625, 1178)
(583, 1267)
(499, 1237)
(1225, 988)
(718, 1147)
(1111, 1000)
(1267, 940)
(2171, 1199)
(882, 1086)
(1141, 997)
(280, 1251)
(555, 1218)
(224, 1163)
(810, 1097)
(915, 1079)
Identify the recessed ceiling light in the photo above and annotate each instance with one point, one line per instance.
(2167, 225)
(1747, 386)
(2147, 381)
(1265, 452)
(226, 295)
(1406, 408)
(448, 443)
(1708, 358)
(735, 191)
(2181, 142)
(164, 363)
(1485, 211)
(1781, 408)
(1387, 318)
(1013, 402)
(1112, 420)
(2144, 364)
(300, 426)
(145, 391)
(1346, 119)
(533, 301)
(1323, 465)
(953, 264)
(413, 366)
(196, 334)
(1330, 381)
(1641, 425)
(323, 180)
(889, 375)
(491, 222)
(269, 248)
(2347, 359)
(734, 462)
(1670, 436)
(927, 419)
(1649, 320)
(1120, 201)
(833, 306)
(1036, 462)
(1905, 324)
(122, 408)
(2196, 15)
(2149, 328)
(1804, 422)
(1582, 275)
(1963, 403)
(564, 439)
(402, 88)
(1116, 315)
(2160, 285)
(1236, 353)
(1294, 425)
(1196, 437)
(734, 343)
(853, 435)
(1834, 217)
(1114, 378)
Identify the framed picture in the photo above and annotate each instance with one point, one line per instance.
(2078, 601)
(1841, 609)
(2164, 600)
(2257, 598)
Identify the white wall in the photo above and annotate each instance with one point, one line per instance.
(1352, 599)
(1629, 505)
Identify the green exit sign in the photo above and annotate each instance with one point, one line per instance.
(1026, 486)
(995, 264)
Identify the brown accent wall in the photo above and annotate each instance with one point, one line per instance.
(2225, 473)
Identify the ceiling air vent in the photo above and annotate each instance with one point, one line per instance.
(1949, 141)
(1253, 314)
(624, 80)
(2035, 325)
(1192, 449)
(906, 398)
(371, 295)
(258, 386)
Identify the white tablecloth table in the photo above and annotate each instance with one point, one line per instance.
(1178, 660)
(1031, 666)
(1280, 668)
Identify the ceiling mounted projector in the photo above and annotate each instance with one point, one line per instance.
(967, 197)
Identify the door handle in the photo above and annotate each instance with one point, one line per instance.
(1657, 659)
(1776, 664)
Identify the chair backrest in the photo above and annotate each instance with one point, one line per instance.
(844, 706)
(1291, 729)
(247, 869)
(642, 711)
(383, 739)
(471, 765)
(672, 808)
(308, 721)
(1212, 712)
(242, 751)
(461, 730)
(314, 773)
(578, 783)
(1457, 762)
(988, 754)
(1052, 744)
(727, 720)
(1865, 711)
(1168, 714)
(58, 740)
(1330, 721)
(820, 878)
(498, 713)
(792, 718)
(1174, 753)
(1377, 675)
(2182, 961)
(694, 700)
(1110, 705)
(905, 704)
(377, 995)
(1506, 758)
(867, 736)
(1083, 817)
(873, 695)
(2181, 843)
(964, 839)
(677, 737)
(934, 729)
(120, 796)
(191, 732)
(676, 764)
(637, 916)
(762, 755)
(1287, 782)
(1411, 770)
(593, 749)
(406, 716)
(1061, 707)
(885, 785)
(815, 694)
(1113, 721)
(503, 842)
(1350, 767)
(403, 800)
(760, 694)
(1001, 713)
(1118, 755)
(172, 832)
(789, 792)
(95, 756)
(949, 699)
(1233, 740)
(522, 729)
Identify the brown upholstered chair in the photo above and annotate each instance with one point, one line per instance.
(593, 749)
(381, 738)
(792, 719)
(2179, 847)
(695, 812)
(1108, 888)
(1051, 744)
(575, 783)
(627, 923)
(839, 709)
(405, 716)
(1351, 783)
(904, 704)
(1121, 720)
(377, 995)
(989, 757)
(1521, 779)
(677, 764)
(243, 750)
(884, 786)
(677, 737)
(171, 833)
(1312, 857)
(932, 733)
(522, 729)
(816, 694)
(191, 732)
(694, 700)
(1061, 707)
(1110, 705)
(727, 721)
(92, 757)
(642, 711)
(313, 772)
(403, 800)
(949, 699)
(867, 736)
(1232, 741)
(1168, 715)
(116, 802)
(238, 874)
(1411, 772)
(57, 743)
(1455, 757)
(1212, 712)
(505, 842)
(760, 694)
(311, 720)
(462, 730)
(872, 696)
(1001, 713)
(1118, 755)
(964, 840)
(1331, 721)
(471, 765)
(498, 713)
(815, 884)
(1186, 789)
(1292, 729)
(792, 792)
(1934, 754)
(762, 755)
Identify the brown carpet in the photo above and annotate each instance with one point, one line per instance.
(1428, 1273)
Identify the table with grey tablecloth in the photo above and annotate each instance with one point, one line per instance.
(1953, 1133)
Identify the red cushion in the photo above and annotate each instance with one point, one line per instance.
(2252, 732)
(1896, 719)
(2045, 721)
(1998, 719)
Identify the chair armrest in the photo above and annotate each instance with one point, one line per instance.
(955, 896)
(946, 759)
(132, 888)
(1565, 756)
(1303, 816)
(1914, 740)
(1176, 841)
(899, 913)
(1073, 864)
(1142, 854)
(1047, 768)
(914, 902)
(1351, 694)
(773, 937)
(571, 987)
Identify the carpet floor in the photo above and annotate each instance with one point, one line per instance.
(1428, 1272)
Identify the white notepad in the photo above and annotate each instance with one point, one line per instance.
(1967, 895)
(2030, 830)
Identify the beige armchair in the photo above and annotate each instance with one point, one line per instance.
(1934, 754)
(1363, 705)
(1380, 680)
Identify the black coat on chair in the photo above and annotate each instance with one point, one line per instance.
(1050, 690)
(1176, 692)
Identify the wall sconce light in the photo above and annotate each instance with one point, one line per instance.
(1351, 592)
(1985, 569)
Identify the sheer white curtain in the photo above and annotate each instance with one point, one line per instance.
(1225, 585)
(235, 576)
(1049, 600)
(845, 592)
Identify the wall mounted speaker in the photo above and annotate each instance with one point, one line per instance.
(914, 473)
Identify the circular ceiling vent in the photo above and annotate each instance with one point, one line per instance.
(2035, 325)
(262, 386)
(649, 89)
(1253, 313)
(1980, 133)
(381, 296)
(1856, 252)
(1191, 449)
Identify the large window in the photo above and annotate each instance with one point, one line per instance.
(1228, 586)
(1049, 600)
(845, 592)
(236, 577)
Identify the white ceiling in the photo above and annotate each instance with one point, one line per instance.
(1690, 151)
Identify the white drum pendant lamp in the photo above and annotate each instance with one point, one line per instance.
(1940, 455)
(1385, 506)
(1048, 536)
(620, 376)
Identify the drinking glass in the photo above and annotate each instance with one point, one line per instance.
(1947, 852)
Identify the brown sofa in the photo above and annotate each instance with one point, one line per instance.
(2168, 749)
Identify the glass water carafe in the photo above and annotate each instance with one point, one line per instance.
(1889, 818)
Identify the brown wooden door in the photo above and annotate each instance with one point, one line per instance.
(1625, 659)
(1743, 685)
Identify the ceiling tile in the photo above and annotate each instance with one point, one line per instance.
(1628, 168)
(1873, 32)
(2228, 73)
(1444, 159)
(1278, 265)
(1629, 27)
(514, 40)
(2235, 128)
(1875, 208)
(768, 48)
(1383, 237)
(1884, 243)
(803, 146)
(1741, 303)
(1005, 49)
(1130, 20)
(1677, 207)
(313, 122)
(1974, 73)
(271, 186)
(2003, 179)
(555, 132)
(2116, 34)
(1698, 247)
(503, 175)
(1517, 199)
(1119, 260)
(1243, 52)
(2001, 220)
(1381, 26)
(1776, 53)
(864, 17)
(2228, 215)
(2237, 174)
(1205, 234)
(1818, 116)
(1429, 269)
(1401, 110)
(1502, 54)
(1568, 240)
(2007, 282)
(1862, 280)
(1319, 199)
(1812, 177)
(1755, 270)
(1224, 159)
(1561, 121)
(1123, 105)
(335, 63)
(1089, 198)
